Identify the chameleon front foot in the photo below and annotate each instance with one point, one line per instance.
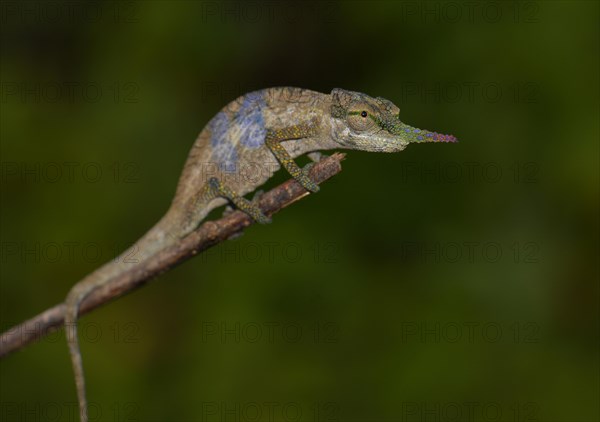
(305, 181)
(273, 141)
(241, 203)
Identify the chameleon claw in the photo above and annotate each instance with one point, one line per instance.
(260, 218)
(306, 181)
(308, 184)
(249, 207)
(312, 186)
(256, 214)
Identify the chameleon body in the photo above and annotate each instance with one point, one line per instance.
(237, 152)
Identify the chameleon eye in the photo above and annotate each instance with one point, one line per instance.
(359, 120)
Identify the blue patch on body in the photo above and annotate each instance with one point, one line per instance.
(250, 120)
(219, 125)
(223, 151)
(248, 123)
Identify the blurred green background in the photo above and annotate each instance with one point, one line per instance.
(444, 283)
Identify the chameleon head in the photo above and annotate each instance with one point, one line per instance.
(373, 124)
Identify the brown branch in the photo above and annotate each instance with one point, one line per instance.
(207, 235)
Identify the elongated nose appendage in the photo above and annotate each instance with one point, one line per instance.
(415, 135)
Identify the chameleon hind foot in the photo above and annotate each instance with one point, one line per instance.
(229, 209)
(255, 198)
(249, 207)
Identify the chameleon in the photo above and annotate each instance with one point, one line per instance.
(239, 150)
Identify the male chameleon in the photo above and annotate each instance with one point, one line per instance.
(237, 152)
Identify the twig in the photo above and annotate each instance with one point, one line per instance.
(207, 235)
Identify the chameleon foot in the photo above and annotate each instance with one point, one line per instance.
(273, 141)
(229, 209)
(255, 198)
(306, 181)
(240, 203)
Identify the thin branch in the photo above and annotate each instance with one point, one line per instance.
(207, 235)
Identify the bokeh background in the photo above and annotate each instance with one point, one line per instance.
(444, 283)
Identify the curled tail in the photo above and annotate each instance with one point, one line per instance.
(163, 234)
(72, 302)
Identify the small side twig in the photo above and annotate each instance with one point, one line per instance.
(207, 235)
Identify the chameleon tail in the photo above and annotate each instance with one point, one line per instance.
(72, 309)
(153, 241)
